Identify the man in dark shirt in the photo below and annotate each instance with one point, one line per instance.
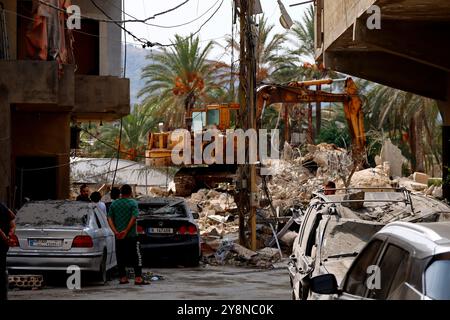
(7, 228)
(84, 194)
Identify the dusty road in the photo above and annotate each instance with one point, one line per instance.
(202, 283)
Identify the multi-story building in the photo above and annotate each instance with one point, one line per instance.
(52, 78)
(399, 43)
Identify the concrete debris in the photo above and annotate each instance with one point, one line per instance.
(291, 185)
(372, 177)
(418, 186)
(420, 177)
(354, 196)
(288, 238)
(392, 154)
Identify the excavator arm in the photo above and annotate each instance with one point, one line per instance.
(299, 92)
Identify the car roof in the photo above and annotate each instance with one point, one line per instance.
(427, 238)
(159, 200)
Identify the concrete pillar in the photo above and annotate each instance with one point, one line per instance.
(444, 107)
(5, 146)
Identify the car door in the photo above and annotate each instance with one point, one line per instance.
(109, 239)
(98, 231)
(356, 280)
(393, 273)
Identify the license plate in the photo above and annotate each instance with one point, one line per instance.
(160, 230)
(45, 243)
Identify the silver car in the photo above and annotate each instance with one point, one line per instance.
(53, 235)
(403, 261)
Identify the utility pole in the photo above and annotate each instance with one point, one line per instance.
(248, 199)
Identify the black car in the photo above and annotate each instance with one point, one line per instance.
(167, 229)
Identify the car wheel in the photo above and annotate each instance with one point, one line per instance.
(191, 262)
(102, 274)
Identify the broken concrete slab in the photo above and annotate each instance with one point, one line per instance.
(353, 197)
(392, 154)
(421, 177)
(418, 186)
(243, 252)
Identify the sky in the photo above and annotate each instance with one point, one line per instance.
(216, 29)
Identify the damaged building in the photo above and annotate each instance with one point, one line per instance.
(398, 43)
(53, 78)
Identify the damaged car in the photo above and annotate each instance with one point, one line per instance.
(403, 261)
(167, 229)
(335, 228)
(53, 235)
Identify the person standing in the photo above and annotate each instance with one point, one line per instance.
(84, 193)
(96, 198)
(7, 229)
(122, 219)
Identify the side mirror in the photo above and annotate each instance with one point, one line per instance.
(195, 215)
(324, 284)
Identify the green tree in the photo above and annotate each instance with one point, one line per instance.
(411, 121)
(133, 141)
(269, 49)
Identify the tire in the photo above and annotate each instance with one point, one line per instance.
(102, 274)
(191, 262)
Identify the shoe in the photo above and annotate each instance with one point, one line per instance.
(142, 282)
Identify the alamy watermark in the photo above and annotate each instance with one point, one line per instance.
(74, 17)
(233, 147)
(373, 281)
(74, 280)
(374, 20)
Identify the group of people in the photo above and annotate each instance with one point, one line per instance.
(122, 213)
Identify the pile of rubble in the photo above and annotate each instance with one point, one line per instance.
(291, 184)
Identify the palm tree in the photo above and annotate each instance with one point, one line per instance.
(268, 49)
(179, 78)
(133, 140)
(410, 120)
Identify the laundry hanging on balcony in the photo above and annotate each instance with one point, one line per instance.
(47, 37)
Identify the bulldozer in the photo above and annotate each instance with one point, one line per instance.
(189, 178)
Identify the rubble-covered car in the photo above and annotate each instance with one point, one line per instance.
(167, 229)
(403, 261)
(335, 228)
(53, 235)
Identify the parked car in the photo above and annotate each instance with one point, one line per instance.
(167, 229)
(52, 235)
(403, 261)
(332, 233)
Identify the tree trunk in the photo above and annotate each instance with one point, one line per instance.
(419, 142)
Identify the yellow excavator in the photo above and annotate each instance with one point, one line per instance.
(190, 178)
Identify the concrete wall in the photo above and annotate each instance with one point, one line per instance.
(110, 35)
(44, 134)
(339, 15)
(106, 98)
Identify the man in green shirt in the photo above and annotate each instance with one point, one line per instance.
(122, 220)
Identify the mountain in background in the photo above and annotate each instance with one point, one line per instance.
(136, 61)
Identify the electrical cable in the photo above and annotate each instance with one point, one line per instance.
(121, 119)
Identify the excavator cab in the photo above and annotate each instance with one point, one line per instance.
(213, 116)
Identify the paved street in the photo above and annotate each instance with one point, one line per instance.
(203, 283)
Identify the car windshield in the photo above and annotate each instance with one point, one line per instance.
(52, 213)
(172, 208)
(437, 279)
(345, 238)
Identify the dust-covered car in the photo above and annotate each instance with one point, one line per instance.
(403, 261)
(334, 229)
(167, 229)
(53, 235)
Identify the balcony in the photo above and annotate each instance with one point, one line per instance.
(101, 98)
(38, 82)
